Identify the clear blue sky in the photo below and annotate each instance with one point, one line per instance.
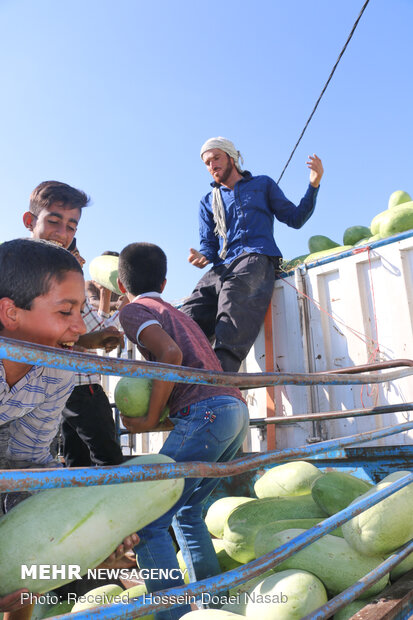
(116, 98)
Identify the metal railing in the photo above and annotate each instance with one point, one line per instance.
(19, 480)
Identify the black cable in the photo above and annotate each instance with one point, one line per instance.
(325, 87)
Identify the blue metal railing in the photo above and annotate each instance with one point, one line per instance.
(17, 480)
(240, 575)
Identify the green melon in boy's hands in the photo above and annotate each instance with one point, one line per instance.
(132, 395)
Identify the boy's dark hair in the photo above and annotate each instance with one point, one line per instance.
(110, 253)
(28, 268)
(48, 192)
(142, 268)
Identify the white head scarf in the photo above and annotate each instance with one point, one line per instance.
(225, 145)
(218, 210)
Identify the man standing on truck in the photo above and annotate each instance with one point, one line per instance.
(236, 231)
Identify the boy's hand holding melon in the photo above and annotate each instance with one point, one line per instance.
(132, 396)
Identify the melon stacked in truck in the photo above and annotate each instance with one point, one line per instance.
(397, 218)
(290, 499)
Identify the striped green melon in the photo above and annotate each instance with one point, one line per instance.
(292, 263)
(318, 243)
(369, 240)
(349, 610)
(397, 220)
(264, 540)
(288, 479)
(398, 197)
(354, 234)
(402, 568)
(375, 222)
(244, 522)
(104, 271)
(78, 526)
(311, 258)
(289, 595)
(335, 490)
(219, 510)
(333, 561)
(386, 526)
(103, 595)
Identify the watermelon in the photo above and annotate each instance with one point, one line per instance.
(397, 220)
(218, 512)
(311, 258)
(132, 396)
(264, 540)
(403, 567)
(292, 263)
(375, 222)
(398, 197)
(244, 522)
(104, 271)
(333, 561)
(349, 610)
(78, 526)
(103, 595)
(369, 240)
(317, 243)
(288, 595)
(288, 479)
(335, 490)
(353, 234)
(385, 527)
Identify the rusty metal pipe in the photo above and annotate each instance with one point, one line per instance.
(34, 479)
(370, 367)
(40, 355)
(331, 415)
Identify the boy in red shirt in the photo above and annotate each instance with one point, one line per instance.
(208, 422)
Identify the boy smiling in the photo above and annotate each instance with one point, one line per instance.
(42, 294)
(41, 297)
(88, 429)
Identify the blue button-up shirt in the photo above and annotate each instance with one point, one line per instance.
(250, 209)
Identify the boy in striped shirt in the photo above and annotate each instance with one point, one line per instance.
(42, 293)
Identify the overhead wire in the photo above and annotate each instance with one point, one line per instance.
(325, 87)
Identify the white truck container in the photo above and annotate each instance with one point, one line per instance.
(346, 311)
(343, 311)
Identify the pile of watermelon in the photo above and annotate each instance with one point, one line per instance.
(397, 218)
(291, 498)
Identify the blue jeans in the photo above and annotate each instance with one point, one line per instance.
(211, 430)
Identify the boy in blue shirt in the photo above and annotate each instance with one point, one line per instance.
(208, 422)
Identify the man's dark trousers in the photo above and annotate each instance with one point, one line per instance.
(229, 304)
(88, 429)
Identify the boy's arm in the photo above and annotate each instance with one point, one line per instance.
(165, 350)
(99, 335)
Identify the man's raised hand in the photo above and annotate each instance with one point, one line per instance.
(316, 169)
